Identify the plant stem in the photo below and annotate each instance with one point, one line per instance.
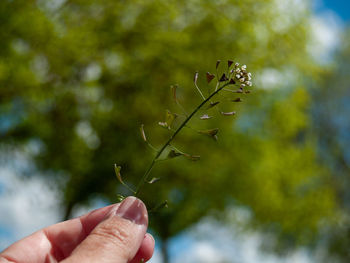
(148, 171)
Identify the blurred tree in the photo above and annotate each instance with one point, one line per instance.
(78, 77)
(331, 109)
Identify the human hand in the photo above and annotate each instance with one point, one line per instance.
(113, 234)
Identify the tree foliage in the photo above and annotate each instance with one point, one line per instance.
(331, 126)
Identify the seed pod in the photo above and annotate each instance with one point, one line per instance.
(195, 77)
(143, 133)
(228, 113)
(170, 118)
(173, 91)
(232, 82)
(223, 78)
(205, 117)
(173, 154)
(210, 77)
(192, 157)
(212, 104)
(212, 133)
(153, 180)
(163, 124)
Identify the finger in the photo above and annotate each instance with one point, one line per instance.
(146, 250)
(117, 238)
(66, 236)
(56, 241)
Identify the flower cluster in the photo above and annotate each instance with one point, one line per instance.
(242, 75)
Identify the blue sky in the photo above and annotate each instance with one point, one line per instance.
(340, 7)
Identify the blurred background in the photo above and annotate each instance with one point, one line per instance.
(78, 77)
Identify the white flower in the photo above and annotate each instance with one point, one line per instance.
(244, 67)
(249, 83)
(241, 79)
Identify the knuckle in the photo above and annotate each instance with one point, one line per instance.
(119, 234)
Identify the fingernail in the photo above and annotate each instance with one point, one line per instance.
(133, 209)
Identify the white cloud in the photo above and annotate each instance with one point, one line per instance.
(326, 30)
(216, 243)
(202, 252)
(271, 78)
(26, 205)
(287, 13)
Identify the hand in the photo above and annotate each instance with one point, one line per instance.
(115, 234)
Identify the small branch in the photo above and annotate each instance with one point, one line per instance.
(195, 83)
(152, 147)
(217, 85)
(183, 124)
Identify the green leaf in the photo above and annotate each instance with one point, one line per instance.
(117, 173)
(120, 198)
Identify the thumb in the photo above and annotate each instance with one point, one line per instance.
(117, 238)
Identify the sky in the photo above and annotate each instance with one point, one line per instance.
(35, 205)
(340, 7)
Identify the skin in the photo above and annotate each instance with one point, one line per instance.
(109, 234)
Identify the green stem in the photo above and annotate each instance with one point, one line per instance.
(148, 171)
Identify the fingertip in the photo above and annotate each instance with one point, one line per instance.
(119, 236)
(146, 249)
(147, 246)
